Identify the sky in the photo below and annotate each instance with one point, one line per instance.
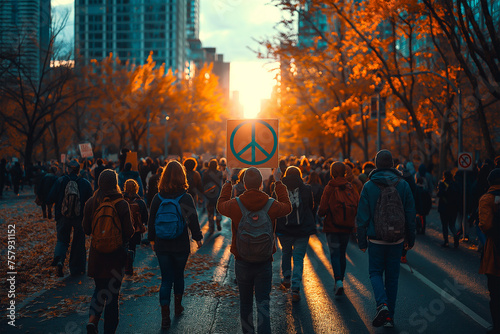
(231, 27)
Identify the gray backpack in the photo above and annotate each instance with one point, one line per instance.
(255, 235)
(389, 218)
(70, 206)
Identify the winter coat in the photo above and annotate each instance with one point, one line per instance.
(423, 201)
(253, 200)
(324, 207)
(210, 177)
(136, 238)
(57, 191)
(194, 181)
(490, 263)
(45, 186)
(307, 224)
(449, 196)
(108, 265)
(181, 243)
(97, 171)
(368, 201)
(130, 174)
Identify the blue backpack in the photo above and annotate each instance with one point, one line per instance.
(169, 222)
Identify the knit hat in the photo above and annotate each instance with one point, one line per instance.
(494, 177)
(383, 159)
(337, 169)
(108, 180)
(74, 164)
(252, 178)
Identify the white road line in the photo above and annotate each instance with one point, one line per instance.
(473, 315)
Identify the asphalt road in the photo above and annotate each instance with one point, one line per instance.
(440, 291)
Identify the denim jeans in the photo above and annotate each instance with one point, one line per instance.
(295, 247)
(77, 255)
(337, 243)
(385, 258)
(448, 222)
(172, 266)
(105, 298)
(254, 277)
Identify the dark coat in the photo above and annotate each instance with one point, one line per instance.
(45, 186)
(324, 206)
(112, 264)
(56, 194)
(253, 200)
(307, 224)
(182, 243)
(449, 197)
(152, 188)
(130, 174)
(136, 238)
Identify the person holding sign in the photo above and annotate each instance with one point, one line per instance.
(253, 221)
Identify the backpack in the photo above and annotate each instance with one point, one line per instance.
(211, 189)
(106, 227)
(389, 218)
(293, 218)
(495, 235)
(135, 213)
(343, 206)
(70, 207)
(169, 222)
(255, 235)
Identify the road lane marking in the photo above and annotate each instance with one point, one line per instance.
(473, 315)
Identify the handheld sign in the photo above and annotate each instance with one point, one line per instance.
(252, 143)
(465, 161)
(86, 150)
(132, 158)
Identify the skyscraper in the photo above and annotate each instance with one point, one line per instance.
(130, 29)
(193, 19)
(25, 33)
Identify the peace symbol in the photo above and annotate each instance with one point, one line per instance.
(253, 144)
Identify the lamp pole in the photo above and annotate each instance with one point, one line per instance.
(166, 135)
(460, 143)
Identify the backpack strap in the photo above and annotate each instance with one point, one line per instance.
(270, 202)
(242, 207)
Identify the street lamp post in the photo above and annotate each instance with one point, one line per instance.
(166, 135)
(459, 131)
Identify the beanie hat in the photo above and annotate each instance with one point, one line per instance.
(494, 177)
(337, 169)
(108, 180)
(383, 159)
(252, 178)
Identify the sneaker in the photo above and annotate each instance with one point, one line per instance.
(60, 272)
(389, 323)
(381, 316)
(403, 259)
(339, 288)
(295, 295)
(285, 284)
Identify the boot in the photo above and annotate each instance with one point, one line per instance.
(93, 324)
(178, 307)
(165, 317)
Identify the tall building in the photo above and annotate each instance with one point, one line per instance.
(193, 19)
(25, 33)
(130, 29)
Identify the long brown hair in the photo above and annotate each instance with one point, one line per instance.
(173, 179)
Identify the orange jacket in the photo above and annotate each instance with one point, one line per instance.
(253, 200)
(490, 264)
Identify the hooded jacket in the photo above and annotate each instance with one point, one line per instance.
(307, 224)
(490, 263)
(253, 200)
(324, 207)
(368, 201)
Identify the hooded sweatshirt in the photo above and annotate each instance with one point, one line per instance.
(253, 200)
(368, 202)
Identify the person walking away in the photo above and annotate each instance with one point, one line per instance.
(69, 193)
(139, 214)
(16, 174)
(172, 212)
(339, 206)
(489, 223)
(194, 179)
(128, 173)
(385, 224)
(423, 205)
(97, 171)
(448, 194)
(253, 265)
(107, 220)
(293, 231)
(212, 183)
(44, 188)
(153, 185)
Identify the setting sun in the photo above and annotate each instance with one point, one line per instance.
(254, 81)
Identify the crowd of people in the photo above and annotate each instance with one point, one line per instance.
(383, 202)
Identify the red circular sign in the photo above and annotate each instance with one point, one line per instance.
(464, 160)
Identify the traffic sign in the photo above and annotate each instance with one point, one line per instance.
(465, 161)
(86, 150)
(252, 142)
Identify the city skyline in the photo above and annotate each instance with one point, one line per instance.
(230, 27)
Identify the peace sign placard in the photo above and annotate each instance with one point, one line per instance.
(252, 142)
